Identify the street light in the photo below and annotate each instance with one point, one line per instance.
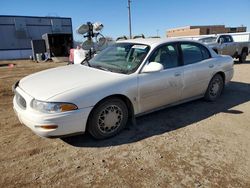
(129, 19)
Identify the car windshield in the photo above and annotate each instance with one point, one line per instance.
(120, 57)
(208, 39)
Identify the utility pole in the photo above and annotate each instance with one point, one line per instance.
(129, 19)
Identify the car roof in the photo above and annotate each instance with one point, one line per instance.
(155, 41)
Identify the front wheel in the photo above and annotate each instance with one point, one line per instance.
(243, 57)
(215, 88)
(108, 118)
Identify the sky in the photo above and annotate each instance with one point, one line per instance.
(150, 17)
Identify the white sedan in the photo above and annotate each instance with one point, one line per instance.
(127, 79)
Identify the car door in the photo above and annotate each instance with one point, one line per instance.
(227, 46)
(161, 88)
(198, 68)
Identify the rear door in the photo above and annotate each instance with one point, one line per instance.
(164, 87)
(198, 68)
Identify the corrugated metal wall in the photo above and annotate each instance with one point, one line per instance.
(16, 32)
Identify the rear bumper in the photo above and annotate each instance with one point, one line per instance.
(67, 122)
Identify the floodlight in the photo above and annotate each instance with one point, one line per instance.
(88, 44)
(97, 26)
(82, 29)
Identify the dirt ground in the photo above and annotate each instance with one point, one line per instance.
(197, 144)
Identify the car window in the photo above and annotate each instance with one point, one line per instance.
(191, 53)
(205, 52)
(167, 55)
(120, 57)
(226, 38)
(221, 39)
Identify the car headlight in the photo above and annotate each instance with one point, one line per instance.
(52, 107)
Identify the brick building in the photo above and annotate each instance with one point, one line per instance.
(203, 30)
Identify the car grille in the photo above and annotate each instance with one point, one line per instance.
(20, 101)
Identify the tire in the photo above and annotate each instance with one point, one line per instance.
(243, 56)
(215, 88)
(108, 118)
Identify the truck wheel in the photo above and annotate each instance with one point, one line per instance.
(242, 58)
(215, 88)
(108, 118)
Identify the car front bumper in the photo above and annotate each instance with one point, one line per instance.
(67, 122)
(229, 75)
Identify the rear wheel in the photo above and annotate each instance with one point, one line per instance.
(215, 88)
(243, 56)
(108, 118)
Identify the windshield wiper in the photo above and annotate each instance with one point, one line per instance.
(102, 68)
(86, 61)
(119, 69)
(110, 69)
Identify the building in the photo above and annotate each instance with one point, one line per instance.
(17, 32)
(203, 30)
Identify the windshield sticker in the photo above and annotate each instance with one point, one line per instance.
(142, 47)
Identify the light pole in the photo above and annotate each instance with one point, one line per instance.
(129, 19)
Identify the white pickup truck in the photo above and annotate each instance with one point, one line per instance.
(224, 44)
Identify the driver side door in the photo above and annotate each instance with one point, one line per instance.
(227, 46)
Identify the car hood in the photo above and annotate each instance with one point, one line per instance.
(211, 44)
(49, 83)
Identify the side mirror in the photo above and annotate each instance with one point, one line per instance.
(152, 67)
(221, 41)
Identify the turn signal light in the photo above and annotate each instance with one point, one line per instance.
(48, 126)
(68, 107)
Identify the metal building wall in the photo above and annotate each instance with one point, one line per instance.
(16, 33)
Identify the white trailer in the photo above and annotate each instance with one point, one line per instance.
(241, 37)
(238, 37)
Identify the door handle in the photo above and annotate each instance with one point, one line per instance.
(211, 66)
(177, 74)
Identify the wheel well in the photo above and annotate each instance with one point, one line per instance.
(222, 75)
(245, 49)
(125, 99)
(216, 51)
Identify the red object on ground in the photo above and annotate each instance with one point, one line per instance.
(71, 55)
(11, 65)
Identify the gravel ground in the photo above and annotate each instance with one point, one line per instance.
(197, 144)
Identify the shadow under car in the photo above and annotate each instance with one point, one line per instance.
(170, 119)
